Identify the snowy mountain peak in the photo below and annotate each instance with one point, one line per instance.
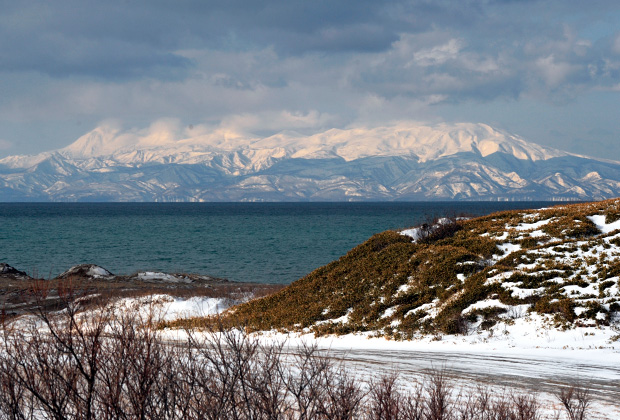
(107, 140)
(405, 161)
(421, 141)
(103, 140)
(403, 139)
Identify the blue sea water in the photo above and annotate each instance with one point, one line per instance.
(252, 242)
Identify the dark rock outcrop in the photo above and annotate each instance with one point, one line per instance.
(6, 271)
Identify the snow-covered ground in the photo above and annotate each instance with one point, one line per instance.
(584, 269)
(168, 308)
(540, 371)
(527, 356)
(504, 364)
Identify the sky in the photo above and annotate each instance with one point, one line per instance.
(546, 70)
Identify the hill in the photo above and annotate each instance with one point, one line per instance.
(404, 161)
(559, 266)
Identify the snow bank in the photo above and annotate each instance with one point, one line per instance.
(169, 308)
(96, 271)
(157, 276)
(602, 225)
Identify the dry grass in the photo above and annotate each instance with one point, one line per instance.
(400, 288)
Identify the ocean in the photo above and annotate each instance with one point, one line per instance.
(249, 242)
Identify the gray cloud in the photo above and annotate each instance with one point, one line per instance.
(298, 63)
(128, 38)
(5, 145)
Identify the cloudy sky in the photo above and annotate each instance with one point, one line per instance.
(546, 70)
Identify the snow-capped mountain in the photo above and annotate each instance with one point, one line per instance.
(405, 161)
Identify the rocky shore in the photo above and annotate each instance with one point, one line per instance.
(21, 293)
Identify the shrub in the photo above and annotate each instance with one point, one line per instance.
(593, 309)
(529, 242)
(440, 229)
(71, 370)
(605, 285)
(453, 323)
(563, 308)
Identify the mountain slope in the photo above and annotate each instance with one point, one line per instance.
(400, 162)
(560, 266)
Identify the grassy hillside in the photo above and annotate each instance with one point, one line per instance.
(562, 263)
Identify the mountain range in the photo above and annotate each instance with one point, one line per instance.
(403, 161)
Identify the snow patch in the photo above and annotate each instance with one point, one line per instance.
(403, 288)
(488, 303)
(426, 307)
(157, 276)
(537, 234)
(340, 320)
(604, 227)
(532, 226)
(509, 248)
(87, 270)
(415, 233)
(389, 312)
(96, 271)
(169, 308)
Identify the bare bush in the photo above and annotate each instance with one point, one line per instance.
(439, 399)
(59, 368)
(113, 364)
(344, 396)
(576, 401)
(385, 401)
(526, 407)
(414, 403)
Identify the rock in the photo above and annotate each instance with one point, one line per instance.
(153, 276)
(173, 278)
(8, 271)
(86, 271)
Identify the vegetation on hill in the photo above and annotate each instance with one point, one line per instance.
(562, 263)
